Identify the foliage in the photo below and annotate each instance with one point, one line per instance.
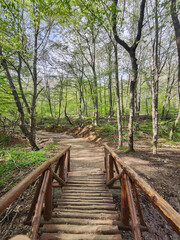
(14, 160)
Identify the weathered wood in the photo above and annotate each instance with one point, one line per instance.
(48, 198)
(10, 196)
(114, 216)
(61, 167)
(33, 205)
(105, 159)
(85, 203)
(165, 209)
(76, 229)
(39, 205)
(84, 200)
(95, 194)
(110, 182)
(110, 168)
(60, 180)
(124, 203)
(138, 205)
(107, 207)
(77, 210)
(134, 220)
(82, 221)
(66, 236)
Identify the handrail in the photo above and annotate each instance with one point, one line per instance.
(165, 209)
(14, 193)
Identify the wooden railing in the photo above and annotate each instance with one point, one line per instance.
(129, 179)
(43, 193)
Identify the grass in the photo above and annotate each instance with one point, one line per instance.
(14, 160)
(106, 130)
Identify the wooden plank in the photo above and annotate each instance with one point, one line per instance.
(124, 203)
(114, 216)
(101, 194)
(107, 207)
(93, 185)
(65, 236)
(48, 198)
(96, 211)
(84, 203)
(82, 221)
(110, 168)
(134, 220)
(65, 190)
(77, 229)
(39, 205)
(165, 209)
(80, 200)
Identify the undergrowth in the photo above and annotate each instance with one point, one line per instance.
(14, 160)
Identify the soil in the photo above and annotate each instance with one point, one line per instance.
(162, 172)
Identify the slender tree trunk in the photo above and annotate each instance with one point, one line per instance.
(120, 133)
(131, 99)
(176, 24)
(155, 81)
(28, 134)
(110, 81)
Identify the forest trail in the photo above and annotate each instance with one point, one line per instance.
(161, 172)
(83, 153)
(85, 209)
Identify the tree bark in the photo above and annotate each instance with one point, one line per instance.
(132, 53)
(176, 24)
(23, 125)
(119, 122)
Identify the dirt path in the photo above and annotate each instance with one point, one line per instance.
(83, 153)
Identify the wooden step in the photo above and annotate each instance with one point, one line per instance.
(96, 211)
(84, 181)
(91, 215)
(90, 194)
(65, 236)
(85, 185)
(83, 200)
(66, 190)
(82, 221)
(93, 206)
(76, 229)
(85, 203)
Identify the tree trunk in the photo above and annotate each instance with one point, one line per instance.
(176, 24)
(132, 53)
(28, 134)
(131, 98)
(120, 134)
(110, 81)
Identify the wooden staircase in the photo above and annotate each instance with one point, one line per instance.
(85, 209)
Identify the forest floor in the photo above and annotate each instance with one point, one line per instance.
(162, 172)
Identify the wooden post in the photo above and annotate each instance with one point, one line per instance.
(138, 204)
(69, 168)
(61, 167)
(134, 220)
(39, 205)
(111, 171)
(33, 205)
(48, 199)
(105, 159)
(124, 203)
